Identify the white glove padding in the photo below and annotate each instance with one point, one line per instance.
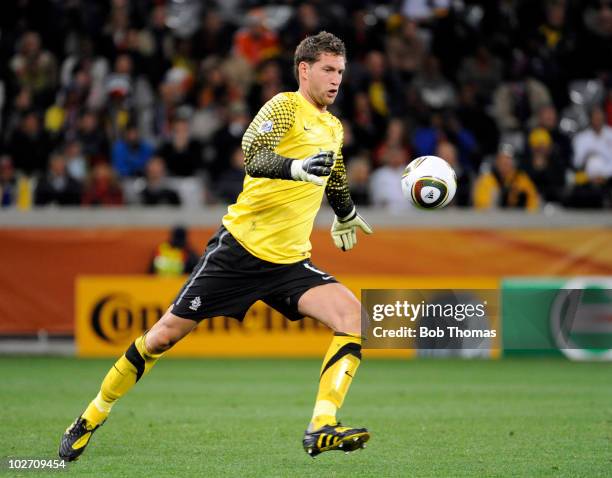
(314, 168)
(344, 230)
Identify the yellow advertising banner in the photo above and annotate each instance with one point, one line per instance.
(112, 310)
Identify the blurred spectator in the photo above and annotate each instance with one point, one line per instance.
(475, 118)
(594, 48)
(117, 27)
(160, 39)
(130, 155)
(368, 125)
(268, 83)
(102, 187)
(182, 154)
(174, 256)
(76, 163)
(165, 110)
(181, 74)
(118, 89)
(129, 96)
(35, 68)
(463, 139)
(8, 182)
(29, 145)
(183, 61)
(358, 171)
(382, 86)
(21, 105)
(484, 71)
(593, 160)
(424, 11)
(595, 143)
(426, 136)
(501, 25)
(551, 48)
(210, 98)
(445, 127)
(434, 89)
(229, 184)
(226, 139)
(90, 135)
(561, 144)
(447, 151)
(385, 187)
(505, 186)
(406, 49)
(363, 32)
(57, 186)
(592, 186)
(62, 117)
(552, 28)
(305, 21)
(214, 38)
(519, 97)
(256, 42)
(545, 167)
(183, 17)
(395, 138)
(156, 191)
(85, 58)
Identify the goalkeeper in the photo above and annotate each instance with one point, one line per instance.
(262, 251)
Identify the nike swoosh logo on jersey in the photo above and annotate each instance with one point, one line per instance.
(326, 277)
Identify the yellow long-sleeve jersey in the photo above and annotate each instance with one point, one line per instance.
(274, 215)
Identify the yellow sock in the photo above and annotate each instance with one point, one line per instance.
(132, 365)
(338, 369)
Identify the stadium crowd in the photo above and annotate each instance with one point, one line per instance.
(120, 102)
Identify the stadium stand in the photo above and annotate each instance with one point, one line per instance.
(115, 82)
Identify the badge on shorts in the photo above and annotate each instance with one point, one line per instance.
(266, 126)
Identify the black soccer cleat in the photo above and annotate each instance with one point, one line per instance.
(335, 437)
(75, 439)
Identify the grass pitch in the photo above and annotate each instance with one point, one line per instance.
(245, 418)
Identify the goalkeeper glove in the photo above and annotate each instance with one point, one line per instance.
(344, 230)
(314, 168)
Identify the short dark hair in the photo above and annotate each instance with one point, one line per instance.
(311, 47)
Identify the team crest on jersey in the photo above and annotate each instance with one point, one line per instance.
(266, 126)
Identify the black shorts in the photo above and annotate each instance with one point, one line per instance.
(229, 279)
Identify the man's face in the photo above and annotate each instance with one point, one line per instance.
(57, 166)
(505, 164)
(548, 117)
(323, 78)
(131, 135)
(597, 119)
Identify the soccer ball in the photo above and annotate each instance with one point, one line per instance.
(429, 182)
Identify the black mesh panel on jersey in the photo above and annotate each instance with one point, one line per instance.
(264, 134)
(337, 190)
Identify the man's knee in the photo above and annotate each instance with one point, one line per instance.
(165, 333)
(348, 321)
(160, 340)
